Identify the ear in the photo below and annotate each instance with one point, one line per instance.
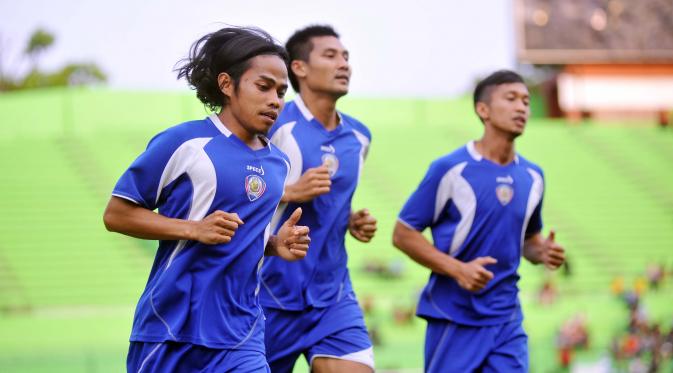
(298, 68)
(226, 84)
(483, 110)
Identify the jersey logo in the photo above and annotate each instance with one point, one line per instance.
(254, 187)
(328, 149)
(506, 180)
(332, 162)
(504, 193)
(259, 170)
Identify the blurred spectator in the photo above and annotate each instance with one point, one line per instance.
(655, 274)
(547, 293)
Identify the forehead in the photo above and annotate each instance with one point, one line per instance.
(268, 65)
(321, 43)
(517, 88)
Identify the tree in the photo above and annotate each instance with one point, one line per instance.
(72, 74)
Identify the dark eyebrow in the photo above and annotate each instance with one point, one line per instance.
(271, 80)
(517, 93)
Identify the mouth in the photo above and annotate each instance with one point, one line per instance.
(519, 120)
(343, 78)
(271, 115)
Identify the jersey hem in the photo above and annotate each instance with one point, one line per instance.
(470, 322)
(195, 341)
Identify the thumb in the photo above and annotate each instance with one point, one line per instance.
(362, 213)
(294, 218)
(485, 260)
(552, 235)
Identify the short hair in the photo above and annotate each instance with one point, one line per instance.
(228, 50)
(482, 92)
(299, 46)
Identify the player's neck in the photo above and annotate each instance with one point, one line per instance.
(250, 139)
(497, 149)
(323, 108)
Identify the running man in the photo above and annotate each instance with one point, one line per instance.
(216, 184)
(483, 204)
(310, 305)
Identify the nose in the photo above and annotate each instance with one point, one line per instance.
(343, 63)
(275, 102)
(521, 106)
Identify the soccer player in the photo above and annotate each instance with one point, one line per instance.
(216, 183)
(483, 204)
(310, 305)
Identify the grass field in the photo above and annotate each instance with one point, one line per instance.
(68, 288)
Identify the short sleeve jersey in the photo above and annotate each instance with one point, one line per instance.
(321, 278)
(476, 208)
(196, 293)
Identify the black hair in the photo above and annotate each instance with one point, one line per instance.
(228, 50)
(299, 46)
(482, 92)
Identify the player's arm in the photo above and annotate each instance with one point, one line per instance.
(472, 276)
(291, 242)
(540, 250)
(362, 225)
(314, 182)
(123, 216)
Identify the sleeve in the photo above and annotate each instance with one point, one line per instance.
(156, 167)
(535, 221)
(420, 209)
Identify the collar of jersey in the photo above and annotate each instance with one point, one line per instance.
(478, 157)
(225, 131)
(311, 119)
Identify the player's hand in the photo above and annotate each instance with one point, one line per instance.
(473, 276)
(553, 254)
(313, 183)
(216, 228)
(362, 225)
(292, 240)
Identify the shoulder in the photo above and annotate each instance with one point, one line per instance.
(449, 161)
(182, 134)
(356, 125)
(524, 162)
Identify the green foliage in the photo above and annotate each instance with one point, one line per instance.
(72, 74)
(39, 42)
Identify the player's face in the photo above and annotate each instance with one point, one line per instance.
(327, 69)
(508, 108)
(261, 94)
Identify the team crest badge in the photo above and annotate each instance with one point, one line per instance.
(504, 193)
(254, 187)
(332, 162)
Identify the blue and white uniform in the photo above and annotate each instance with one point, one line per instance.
(198, 294)
(475, 208)
(301, 297)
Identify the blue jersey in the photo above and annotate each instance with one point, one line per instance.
(196, 293)
(320, 279)
(476, 208)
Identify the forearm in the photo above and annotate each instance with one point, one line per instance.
(130, 219)
(418, 248)
(533, 249)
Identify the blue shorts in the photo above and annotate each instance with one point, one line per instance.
(450, 347)
(337, 331)
(162, 357)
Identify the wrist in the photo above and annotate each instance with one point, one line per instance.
(189, 232)
(270, 249)
(288, 195)
(452, 268)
